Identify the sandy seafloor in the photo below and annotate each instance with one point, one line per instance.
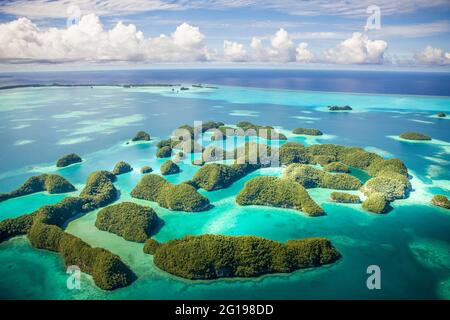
(411, 244)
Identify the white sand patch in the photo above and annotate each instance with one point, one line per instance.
(305, 118)
(22, 126)
(443, 184)
(23, 142)
(434, 116)
(434, 171)
(421, 121)
(74, 114)
(380, 152)
(437, 160)
(244, 113)
(444, 145)
(107, 125)
(70, 141)
(218, 107)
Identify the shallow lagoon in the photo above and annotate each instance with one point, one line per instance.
(411, 244)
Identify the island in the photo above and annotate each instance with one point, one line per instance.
(310, 177)
(128, 220)
(415, 136)
(141, 136)
(217, 256)
(307, 131)
(339, 108)
(181, 197)
(150, 246)
(214, 176)
(68, 160)
(277, 192)
(441, 201)
(343, 197)
(376, 203)
(441, 115)
(51, 183)
(169, 167)
(44, 230)
(336, 167)
(164, 152)
(122, 167)
(146, 169)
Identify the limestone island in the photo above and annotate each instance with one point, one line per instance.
(181, 197)
(122, 167)
(441, 201)
(307, 131)
(310, 177)
(51, 183)
(376, 203)
(141, 136)
(128, 220)
(68, 159)
(216, 256)
(339, 108)
(277, 192)
(415, 136)
(44, 229)
(146, 169)
(343, 197)
(169, 167)
(164, 152)
(441, 115)
(150, 246)
(336, 167)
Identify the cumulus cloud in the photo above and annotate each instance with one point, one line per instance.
(234, 51)
(23, 41)
(358, 49)
(281, 48)
(433, 56)
(303, 54)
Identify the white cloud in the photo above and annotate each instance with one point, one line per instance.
(23, 41)
(57, 8)
(433, 56)
(281, 48)
(234, 51)
(358, 49)
(303, 54)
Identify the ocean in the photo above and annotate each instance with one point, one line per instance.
(411, 243)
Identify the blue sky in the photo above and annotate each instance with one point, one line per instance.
(412, 34)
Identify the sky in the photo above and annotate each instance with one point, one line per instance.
(354, 34)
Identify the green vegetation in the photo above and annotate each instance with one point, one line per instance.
(128, 220)
(181, 197)
(169, 167)
(68, 160)
(164, 143)
(391, 165)
(336, 167)
(141, 136)
(441, 115)
(266, 132)
(310, 177)
(216, 176)
(99, 190)
(441, 201)
(292, 152)
(390, 184)
(43, 228)
(376, 203)
(45, 182)
(276, 192)
(307, 131)
(164, 152)
(415, 136)
(217, 256)
(343, 197)
(150, 246)
(122, 167)
(146, 169)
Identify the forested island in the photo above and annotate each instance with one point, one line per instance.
(68, 159)
(216, 256)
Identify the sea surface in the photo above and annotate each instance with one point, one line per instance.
(410, 244)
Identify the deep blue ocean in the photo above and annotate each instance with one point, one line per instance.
(411, 243)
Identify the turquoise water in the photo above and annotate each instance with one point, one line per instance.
(411, 244)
